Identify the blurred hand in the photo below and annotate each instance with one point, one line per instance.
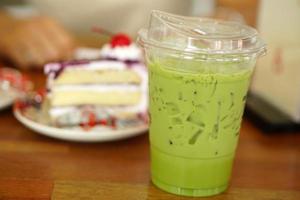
(33, 42)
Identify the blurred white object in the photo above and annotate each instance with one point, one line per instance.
(13, 85)
(21, 11)
(7, 98)
(277, 75)
(208, 8)
(203, 7)
(127, 15)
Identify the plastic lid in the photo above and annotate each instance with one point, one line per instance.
(200, 35)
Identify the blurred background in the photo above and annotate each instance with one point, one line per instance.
(276, 80)
(127, 15)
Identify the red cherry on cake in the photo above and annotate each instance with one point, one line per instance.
(120, 39)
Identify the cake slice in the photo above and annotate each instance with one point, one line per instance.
(101, 83)
(109, 88)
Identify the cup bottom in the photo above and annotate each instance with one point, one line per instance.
(188, 191)
(190, 176)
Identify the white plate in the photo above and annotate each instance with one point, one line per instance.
(31, 112)
(96, 134)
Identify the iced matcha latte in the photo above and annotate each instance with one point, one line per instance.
(195, 123)
(197, 96)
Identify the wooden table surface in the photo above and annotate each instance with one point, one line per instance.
(32, 166)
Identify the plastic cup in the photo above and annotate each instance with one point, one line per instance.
(199, 74)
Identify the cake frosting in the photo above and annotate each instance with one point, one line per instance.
(84, 65)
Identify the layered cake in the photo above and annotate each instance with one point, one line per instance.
(110, 91)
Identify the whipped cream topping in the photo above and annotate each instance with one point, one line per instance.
(86, 53)
(87, 65)
(100, 65)
(123, 53)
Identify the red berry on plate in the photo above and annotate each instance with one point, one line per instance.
(120, 39)
(92, 119)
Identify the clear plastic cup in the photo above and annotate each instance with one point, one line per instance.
(199, 74)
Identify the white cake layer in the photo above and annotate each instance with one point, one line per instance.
(96, 88)
(97, 76)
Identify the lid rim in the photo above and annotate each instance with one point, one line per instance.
(261, 50)
(252, 31)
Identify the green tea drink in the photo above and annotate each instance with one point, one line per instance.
(199, 74)
(195, 122)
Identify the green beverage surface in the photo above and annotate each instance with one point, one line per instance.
(195, 123)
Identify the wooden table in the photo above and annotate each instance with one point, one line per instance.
(267, 167)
